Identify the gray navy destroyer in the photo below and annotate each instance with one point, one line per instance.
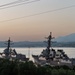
(52, 57)
(11, 54)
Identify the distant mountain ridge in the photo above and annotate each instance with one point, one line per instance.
(67, 38)
(24, 44)
(64, 41)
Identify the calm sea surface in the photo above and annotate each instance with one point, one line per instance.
(29, 51)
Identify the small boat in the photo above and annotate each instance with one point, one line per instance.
(52, 57)
(11, 54)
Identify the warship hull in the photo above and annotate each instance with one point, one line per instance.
(53, 57)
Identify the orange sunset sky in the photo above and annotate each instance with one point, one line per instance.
(36, 27)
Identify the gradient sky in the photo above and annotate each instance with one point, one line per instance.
(35, 28)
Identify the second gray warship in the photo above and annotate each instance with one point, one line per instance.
(53, 57)
(11, 54)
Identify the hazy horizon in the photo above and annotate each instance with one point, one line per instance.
(35, 28)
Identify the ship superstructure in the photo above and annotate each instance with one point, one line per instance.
(51, 56)
(11, 54)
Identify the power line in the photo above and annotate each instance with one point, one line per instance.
(38, 13)
(20, 4)
(7, 4)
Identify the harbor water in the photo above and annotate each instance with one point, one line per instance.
(36, 51)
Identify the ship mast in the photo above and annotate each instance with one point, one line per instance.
(8, 43)
(49, 44)
(49, 40)
(7, 51)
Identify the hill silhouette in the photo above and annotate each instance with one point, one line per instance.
(67, 38)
